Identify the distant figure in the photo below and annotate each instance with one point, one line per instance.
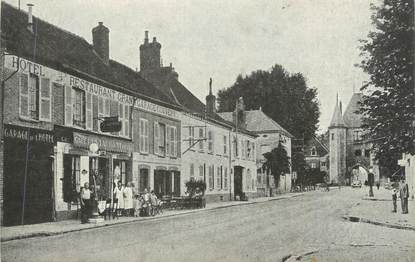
(394, 198)
(404, 195)
(377, 185)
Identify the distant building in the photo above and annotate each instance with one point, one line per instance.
(349, 150)
(316, 154)
(269, 133)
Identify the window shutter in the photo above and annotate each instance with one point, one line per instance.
(141, 135)
(175, 142)
(95, 106)
(89, 111)
(45, 100)
(121, 118)
(68, 106)
(146, 142)
(24, 95)
(127, 120)
(156, 137)
(168, 140)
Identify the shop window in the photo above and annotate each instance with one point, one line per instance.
(367, 153)
(79, 108)
(225, 178)
(210, 141)
(176, 184)
(143, 180)
(71, 178)
(225, 145)
(358, 152)
(34, 97)
(211, 177)
(143, 135)
(192, 172)
(248, 179)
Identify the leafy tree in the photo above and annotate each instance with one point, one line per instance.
(299, 165)
(388, 105)
(284, 97)
(278, 162)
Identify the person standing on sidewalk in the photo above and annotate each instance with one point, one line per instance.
(404, 195)
(394, 198)
(85, 203)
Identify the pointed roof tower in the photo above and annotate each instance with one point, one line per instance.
(337, 118)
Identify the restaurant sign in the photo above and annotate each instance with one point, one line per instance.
(107, 144)
(25, 133)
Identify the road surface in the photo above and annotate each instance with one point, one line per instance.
(267, 231)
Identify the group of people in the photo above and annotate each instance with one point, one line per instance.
(124, 202)
(403, 194)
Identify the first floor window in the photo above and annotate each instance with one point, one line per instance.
(79, 108)
(201, 173)
(218, 178)
(35, 97)
(143, 135)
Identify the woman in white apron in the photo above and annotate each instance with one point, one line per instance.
(128, 199)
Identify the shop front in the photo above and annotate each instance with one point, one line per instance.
(28, 175)
(101, 161)
(166, 182)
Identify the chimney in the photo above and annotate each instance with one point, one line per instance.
(210, 100)
(100, 40)
(30, 18)
(150, 58)
(146, 37)
(341, 109)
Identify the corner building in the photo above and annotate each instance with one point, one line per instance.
(59, 91)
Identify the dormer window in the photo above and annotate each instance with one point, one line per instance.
(313, 151)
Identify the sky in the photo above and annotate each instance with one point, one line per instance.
(223, 38)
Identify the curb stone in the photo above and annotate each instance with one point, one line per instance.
(378, 223)
(96, 226)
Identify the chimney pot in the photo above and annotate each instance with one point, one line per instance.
(30, 17)
(154, 39)
(100, 23)
(146, 36)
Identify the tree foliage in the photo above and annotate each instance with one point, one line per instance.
(278, 162)
(388, 105)
(284, 97)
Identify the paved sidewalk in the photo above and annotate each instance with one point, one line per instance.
(378, 211)
(61, 227)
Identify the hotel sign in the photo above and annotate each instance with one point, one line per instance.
(63, 78)
(104, 143)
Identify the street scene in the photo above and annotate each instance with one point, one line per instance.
(207, 130)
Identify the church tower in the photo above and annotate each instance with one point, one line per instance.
(337, 143)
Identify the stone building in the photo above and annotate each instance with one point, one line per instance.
(213, 150)
(349, 150)
(270, 134)
(316, 154)
(60, 89)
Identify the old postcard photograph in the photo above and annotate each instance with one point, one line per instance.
(207, 130)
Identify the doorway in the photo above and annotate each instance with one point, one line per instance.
(237, 181)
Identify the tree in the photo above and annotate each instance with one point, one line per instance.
(284, 97)
(278, 162)
(388, 105)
